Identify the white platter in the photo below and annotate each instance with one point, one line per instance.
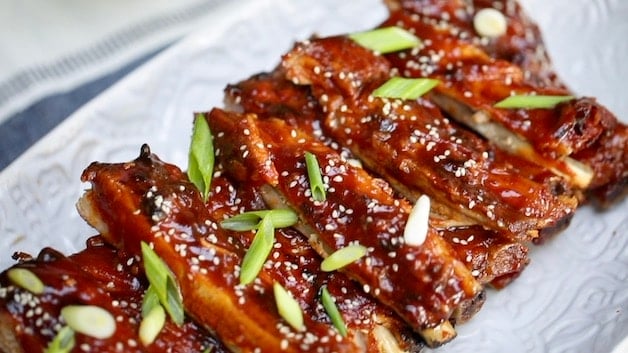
(572, 298)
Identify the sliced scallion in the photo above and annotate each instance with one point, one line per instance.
(63, 342)
(89, 320)
(151, 324)
(490, 22)
(26, 279)
(405, 88)
(288, 307)
(531, 102)
(201, 156)
(342, 257)
(150, 300)
(386, 40)
(162, 280)
(315, 178)
(332, 310)
(416, 228)
(281, 218)
(258, 252)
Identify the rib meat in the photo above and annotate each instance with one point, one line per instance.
(472, 82)
(415, 147)
(490, 255)
(423, 284)
(375, 326)
(98, 275)
(151, 201)
(522, 44)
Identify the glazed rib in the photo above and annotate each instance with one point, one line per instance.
(608, 157)
(95, 276)
(151, 201)
(373, 325)
(522, 44)
(422, 284)
(487, 253)
(491, 258)
(418, 150)
(472, 82)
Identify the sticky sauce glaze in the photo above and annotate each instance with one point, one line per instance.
(422, 284)
(148, 200)
(98, 275)
(412, 143)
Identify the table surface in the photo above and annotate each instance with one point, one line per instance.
(56, 55)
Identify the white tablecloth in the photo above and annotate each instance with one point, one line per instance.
(51, 46)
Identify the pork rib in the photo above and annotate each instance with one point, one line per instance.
(472, 82)
(415, 147)
(98, 275)
(486, 253)
(423, 284)
(522, 44)
(373, 325)
(147, 200)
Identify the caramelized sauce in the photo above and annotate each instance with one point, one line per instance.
(412, 143)
(479, 81)
(148, 200)
(99, 275)
(356, 211)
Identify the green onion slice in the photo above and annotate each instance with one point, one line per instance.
(288, 307)
(281, 218)
(386, 40)
(63, 342)
(314, 175)
(417, 225)
(342, 257)
(258, 252)
(201, 156)
(209, 349)
(532, 102)
(151, 324)
(26, 279)
(151, 300)
(164, 284)
(332, 310)
(89, 320)
(405, 88)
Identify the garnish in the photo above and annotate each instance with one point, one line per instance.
(150, 300)
(288, 307)
(258, 251)
(164, 284)
(89, 320)
(405, 88)
(342, 257)
(153, 316)
(314, 175)
(281, 218)
(415, 231)
(26, 279)
(332, 310)
(490, 22)
(151, 324)
(532, 102)
(386, 40)
(63, 342)
(201, 156)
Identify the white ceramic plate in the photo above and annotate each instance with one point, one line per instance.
(572, 298)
